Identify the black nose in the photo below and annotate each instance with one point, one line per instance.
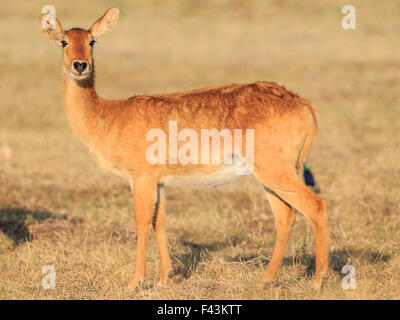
(80, 66)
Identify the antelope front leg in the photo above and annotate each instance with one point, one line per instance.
(159, 227)
(144, 193)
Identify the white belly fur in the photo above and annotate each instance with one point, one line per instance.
(226, 175)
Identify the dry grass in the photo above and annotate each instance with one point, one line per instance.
(58, 208)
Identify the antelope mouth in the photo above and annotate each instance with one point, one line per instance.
(79, 75)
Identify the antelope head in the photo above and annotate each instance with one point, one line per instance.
(78, 43)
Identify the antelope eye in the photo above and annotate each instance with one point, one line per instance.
(91, 43)
(63, 43)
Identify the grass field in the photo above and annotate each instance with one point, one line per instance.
(57, 207)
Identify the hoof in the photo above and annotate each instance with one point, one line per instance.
(162, 283)
(135, 284)
(265, 283)
(318, 282)
(170, 273)
(164, 280)
(317, 285)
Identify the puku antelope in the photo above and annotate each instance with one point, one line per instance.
(284, 127)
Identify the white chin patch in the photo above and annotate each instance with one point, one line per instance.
(78, 77)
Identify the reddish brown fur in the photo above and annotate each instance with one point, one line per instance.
(115, 130)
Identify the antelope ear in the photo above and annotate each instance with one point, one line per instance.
(51, 27)
(105, 23)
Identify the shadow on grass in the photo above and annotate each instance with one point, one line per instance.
(337, 259)
(189, 262)
(14, 222)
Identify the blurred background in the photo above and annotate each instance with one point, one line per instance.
(57, 207)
